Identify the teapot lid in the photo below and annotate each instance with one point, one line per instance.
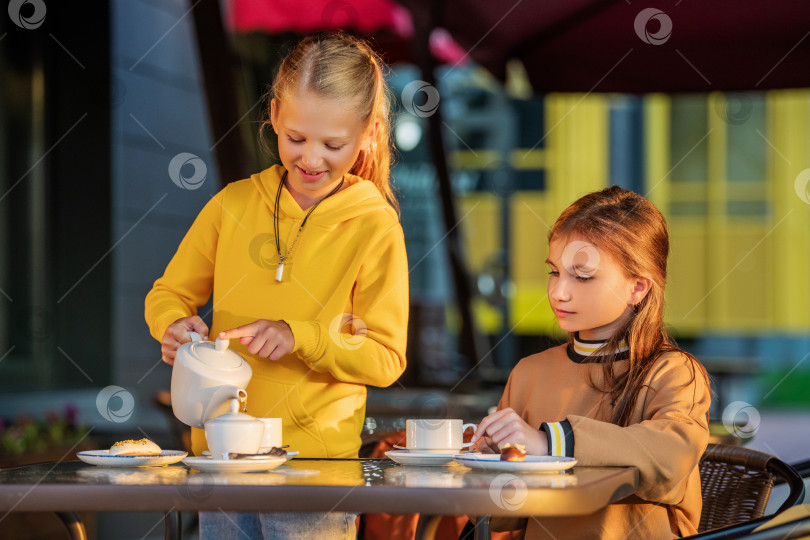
(234, 415)
(215, 354)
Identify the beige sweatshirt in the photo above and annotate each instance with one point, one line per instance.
(667, 435)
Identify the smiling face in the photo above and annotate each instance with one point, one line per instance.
(319, 140)
(588, 291)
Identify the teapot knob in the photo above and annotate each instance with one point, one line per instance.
(234, 405)
(222, 344)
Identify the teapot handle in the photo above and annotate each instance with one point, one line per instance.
(195, 336)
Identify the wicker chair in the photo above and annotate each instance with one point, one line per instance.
(736, 483)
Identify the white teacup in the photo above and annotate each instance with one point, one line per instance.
(272, 434)
(233, 432)
(436, 434)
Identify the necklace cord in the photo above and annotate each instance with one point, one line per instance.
(276, 218)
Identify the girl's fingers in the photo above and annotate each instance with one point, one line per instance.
(490, 423)
(267, 350)
(246, 330)
(198, 325)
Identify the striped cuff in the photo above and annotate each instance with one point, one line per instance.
(560, 438)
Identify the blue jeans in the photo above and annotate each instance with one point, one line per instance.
(278, 526)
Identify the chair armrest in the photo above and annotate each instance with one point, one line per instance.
(794, 480)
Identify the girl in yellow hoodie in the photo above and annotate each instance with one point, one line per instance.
(306, 261)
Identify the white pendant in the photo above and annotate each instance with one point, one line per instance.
(280, 272)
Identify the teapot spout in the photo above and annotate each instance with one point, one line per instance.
(221, 399)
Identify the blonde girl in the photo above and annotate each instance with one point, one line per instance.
(620, 392)
(306, 262)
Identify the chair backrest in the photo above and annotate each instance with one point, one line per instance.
(736, 483)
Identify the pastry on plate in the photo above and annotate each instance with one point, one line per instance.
(513, 453)
(129, 447)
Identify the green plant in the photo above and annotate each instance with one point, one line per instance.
(27, 434)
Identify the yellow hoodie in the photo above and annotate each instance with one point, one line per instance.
(348, 271)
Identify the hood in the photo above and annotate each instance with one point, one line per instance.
(360, 197)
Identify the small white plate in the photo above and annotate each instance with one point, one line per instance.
(405, 457)
(206, 464)
(492, 462)
(451, 451)
(104, 459)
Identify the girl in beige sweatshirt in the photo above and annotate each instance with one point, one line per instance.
(620, 392)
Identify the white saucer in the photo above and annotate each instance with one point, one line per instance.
(492, 462)
(206, 464)
(416, 458)
(443, 451)
(290, 454)
(104, 459)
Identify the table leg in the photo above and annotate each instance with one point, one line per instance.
(73, 524)
(482, 528)
(173, 526)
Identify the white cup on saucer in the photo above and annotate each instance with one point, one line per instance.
(436, 434)
(233, 432)
(272, 434)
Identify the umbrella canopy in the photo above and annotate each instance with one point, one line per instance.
(389, 22)
(627, 46)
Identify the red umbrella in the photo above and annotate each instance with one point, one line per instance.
(628, 46)
(387, 20)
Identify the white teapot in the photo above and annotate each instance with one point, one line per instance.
(205, 377)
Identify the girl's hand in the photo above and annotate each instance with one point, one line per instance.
(506, 426)
(266, 339)
(485, 445)
(177, 334)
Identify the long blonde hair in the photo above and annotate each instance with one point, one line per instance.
(344, 68)
(633, 232)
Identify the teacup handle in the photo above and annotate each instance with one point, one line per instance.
(464, 429)
(195, 336)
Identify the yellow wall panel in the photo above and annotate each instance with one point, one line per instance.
(480, 223)
(686, 302)
(789, 133)
(746, 283)
(531, 312)
(531, 222)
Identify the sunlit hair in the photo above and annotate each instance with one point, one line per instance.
(344, 68)
(631, 231)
